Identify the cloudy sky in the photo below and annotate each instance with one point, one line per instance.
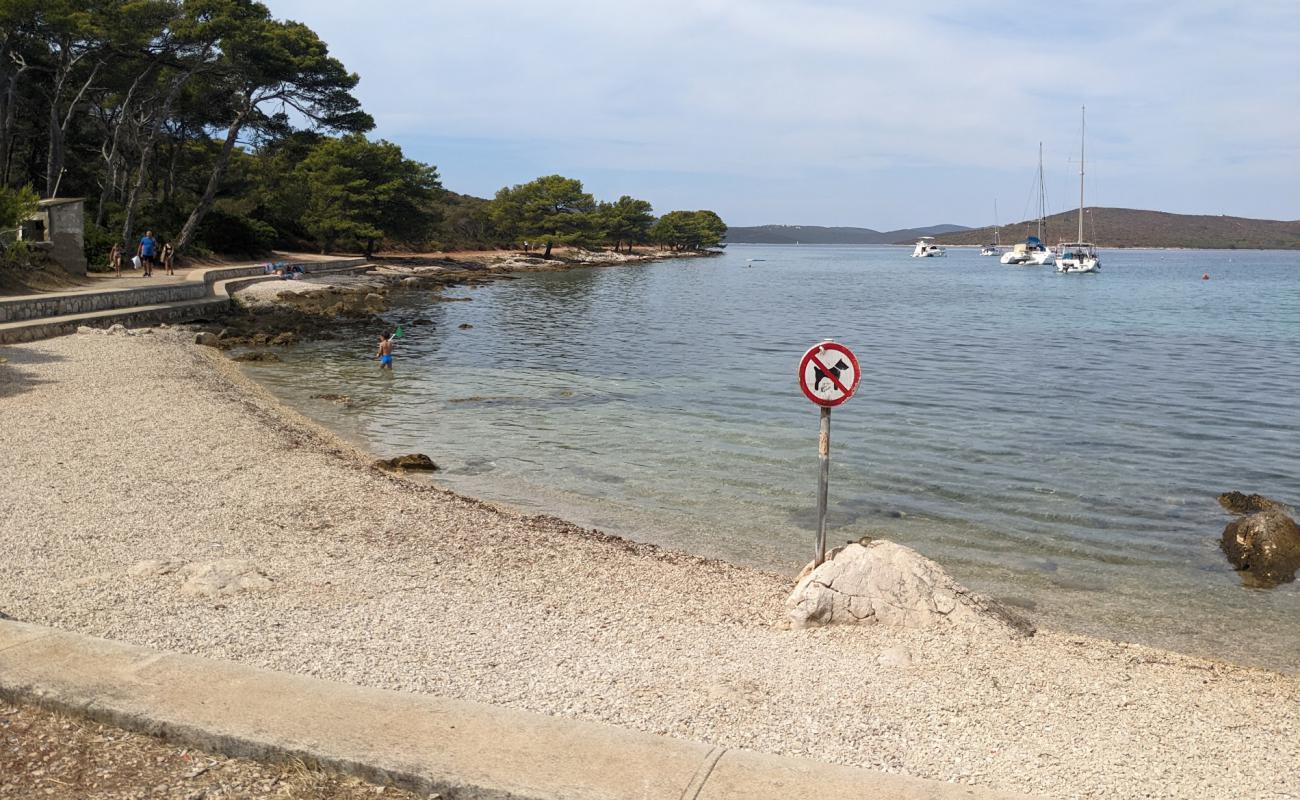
(832, 112)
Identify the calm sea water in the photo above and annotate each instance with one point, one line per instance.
(1055, 441)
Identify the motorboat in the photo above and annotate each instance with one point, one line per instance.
(926, 248)
(1079, 256)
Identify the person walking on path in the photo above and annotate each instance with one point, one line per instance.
(385, 354)
(168, 256)
(148, 245)
(115, 258)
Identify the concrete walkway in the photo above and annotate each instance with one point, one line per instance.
(459, 750)
(198, 292)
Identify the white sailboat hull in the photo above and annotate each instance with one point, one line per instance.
(1077, 265)
(1042, 258)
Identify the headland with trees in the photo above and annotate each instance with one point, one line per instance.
(226, 130)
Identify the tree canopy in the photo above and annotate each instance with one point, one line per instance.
(551, 210)
(361, 192)
(223, 128)
(689, 230)
(625, 220)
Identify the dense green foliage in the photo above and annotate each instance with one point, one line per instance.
(625, 220)
(550, 210)
(225, 129)
(689, 230)
(357, 191)
(16, 205)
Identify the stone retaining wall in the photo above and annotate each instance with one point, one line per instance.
(135, 317)
(57, 305)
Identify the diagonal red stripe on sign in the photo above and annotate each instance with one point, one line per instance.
(826, 371)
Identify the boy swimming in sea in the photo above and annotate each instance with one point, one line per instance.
(385, 354)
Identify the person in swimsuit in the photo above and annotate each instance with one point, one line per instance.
(168, 257)
(385, 354)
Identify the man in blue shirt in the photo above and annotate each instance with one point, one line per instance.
(148, 246)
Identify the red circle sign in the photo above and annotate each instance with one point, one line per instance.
(829, 374)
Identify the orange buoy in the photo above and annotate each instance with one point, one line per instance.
(1205, 277)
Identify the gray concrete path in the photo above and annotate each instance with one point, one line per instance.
(459, 750)
(201, 290)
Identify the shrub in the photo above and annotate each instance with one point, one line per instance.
(97, 243)
(223, 232)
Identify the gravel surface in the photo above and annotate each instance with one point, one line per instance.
(124, 449)
(50, 755)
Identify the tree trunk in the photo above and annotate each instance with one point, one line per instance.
(54, 155)
(7, 123)
(146, 157)
(547, 254)
(209, 194)
(370, 247)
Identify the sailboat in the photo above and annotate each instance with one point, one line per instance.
(1032, 251)
(994, 249)
(1079, 256)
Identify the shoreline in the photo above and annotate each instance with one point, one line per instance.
(379, 580)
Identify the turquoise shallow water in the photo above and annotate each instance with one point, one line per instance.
(1056, 441)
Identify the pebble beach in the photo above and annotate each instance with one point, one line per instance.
(137, 466)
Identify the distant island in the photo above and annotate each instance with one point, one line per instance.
(815, 234)
(1106, 227)
(1130, 227)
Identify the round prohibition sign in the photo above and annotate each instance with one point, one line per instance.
(829, 374)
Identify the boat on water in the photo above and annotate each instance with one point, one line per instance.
(926, 248)
(994, 249)
(1079, 256)
(1033, 252)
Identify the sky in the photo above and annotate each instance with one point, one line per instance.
(829, 112)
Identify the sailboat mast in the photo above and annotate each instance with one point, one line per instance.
(1042, 209)
(997, 229)
(1083, 125)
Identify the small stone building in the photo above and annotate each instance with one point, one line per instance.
(59, 228)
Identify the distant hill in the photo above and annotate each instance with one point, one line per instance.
(815, 234)
(1128, 227)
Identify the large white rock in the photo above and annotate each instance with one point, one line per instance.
(226, 576)
(888, 583)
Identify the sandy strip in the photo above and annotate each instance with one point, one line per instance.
(121, 449)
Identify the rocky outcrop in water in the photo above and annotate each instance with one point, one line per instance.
(418, 461)
(258, 356)
(1264, 544)
(887, 583)
(1239, 503)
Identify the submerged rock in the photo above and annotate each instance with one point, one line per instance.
(1264, 547)
(412, 461)
(341, 399)
(884, 582)
(258, 355)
